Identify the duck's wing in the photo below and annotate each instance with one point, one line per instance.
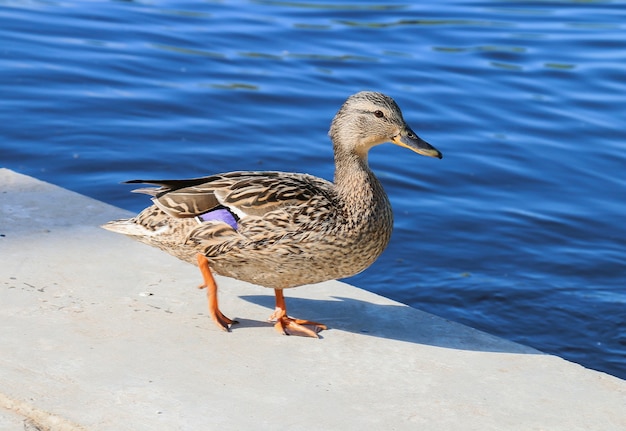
(243, 193)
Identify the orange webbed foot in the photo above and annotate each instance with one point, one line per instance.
(290, 326)
(222, 321)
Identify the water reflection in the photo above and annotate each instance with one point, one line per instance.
(427, 22)
(235, 86)
(189, 51)
(331, 6)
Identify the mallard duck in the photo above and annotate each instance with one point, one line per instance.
(280, 229)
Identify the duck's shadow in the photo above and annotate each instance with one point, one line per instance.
(396, 322)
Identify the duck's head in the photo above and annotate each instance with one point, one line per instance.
(367, 119)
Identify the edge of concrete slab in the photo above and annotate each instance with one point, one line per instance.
(102, 333)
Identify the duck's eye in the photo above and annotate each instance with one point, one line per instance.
(379, 114)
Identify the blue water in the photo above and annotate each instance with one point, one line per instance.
(519, 231)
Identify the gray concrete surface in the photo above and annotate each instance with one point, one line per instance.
(98, 332)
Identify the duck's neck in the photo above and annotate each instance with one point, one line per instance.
(356, 184)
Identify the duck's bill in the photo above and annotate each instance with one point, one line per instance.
(408, 139)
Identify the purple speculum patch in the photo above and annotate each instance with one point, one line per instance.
(221, 214)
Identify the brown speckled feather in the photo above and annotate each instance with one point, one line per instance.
(251, 193)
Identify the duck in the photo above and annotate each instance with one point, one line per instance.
(282, 229)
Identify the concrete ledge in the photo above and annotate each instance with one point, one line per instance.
(99, 332)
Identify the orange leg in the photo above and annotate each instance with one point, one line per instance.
(289, 326)
(220, 320)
